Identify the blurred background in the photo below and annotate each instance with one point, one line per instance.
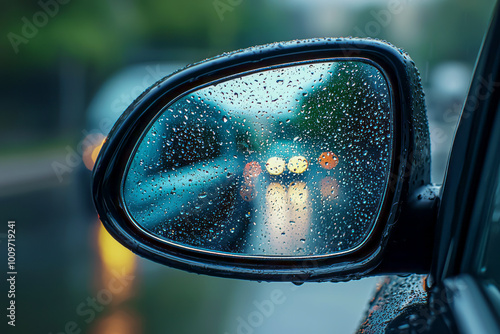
(70, 67)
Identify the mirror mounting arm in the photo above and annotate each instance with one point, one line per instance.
(410, 246)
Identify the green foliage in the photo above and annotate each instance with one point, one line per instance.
(104, 33)
(343, 105)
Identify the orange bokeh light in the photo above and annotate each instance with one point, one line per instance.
(251, 171)
(328, 160)
(329, 187)
(92, 149)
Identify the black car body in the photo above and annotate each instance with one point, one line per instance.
(462, 296)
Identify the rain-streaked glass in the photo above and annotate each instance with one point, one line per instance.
(288, 161)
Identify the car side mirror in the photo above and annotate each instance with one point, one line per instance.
(290, 161)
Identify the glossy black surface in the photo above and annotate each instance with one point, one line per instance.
(468, 173)
(457, 299)
(409, 170)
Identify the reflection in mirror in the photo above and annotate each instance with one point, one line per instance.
(287, 161)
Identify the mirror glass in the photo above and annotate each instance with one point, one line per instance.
(286, 161)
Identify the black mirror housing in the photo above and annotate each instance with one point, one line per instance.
(409, 168)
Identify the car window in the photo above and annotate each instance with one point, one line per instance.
(490, 264)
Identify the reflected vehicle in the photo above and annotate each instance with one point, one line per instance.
(240, 168)
(310, 161)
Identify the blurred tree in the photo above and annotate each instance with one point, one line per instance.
(346, 108)
(104, 33)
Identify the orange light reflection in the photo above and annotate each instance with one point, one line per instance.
(94, 144)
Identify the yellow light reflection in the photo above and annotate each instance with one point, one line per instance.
(96, 151)
(115, 260)
(113, 254)
(287, 216)
(299, 208)
(276, 214)
(275, 166)
(276, 196)
(298, 164)
(298, 193)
